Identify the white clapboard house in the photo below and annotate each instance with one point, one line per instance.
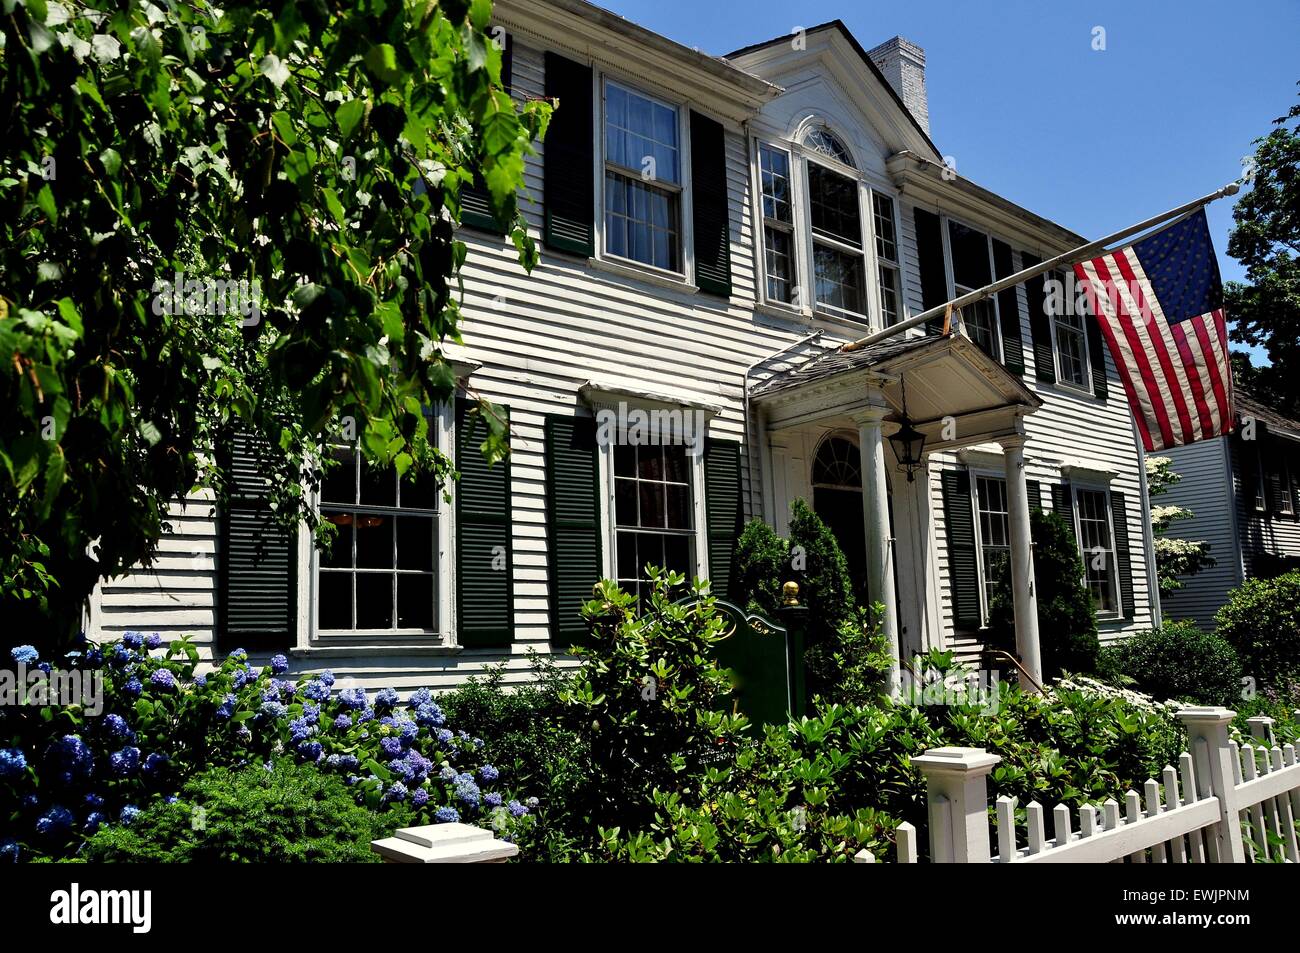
(1244, 494)
(795, 201)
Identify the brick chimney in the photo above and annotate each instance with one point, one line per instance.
(903, 63)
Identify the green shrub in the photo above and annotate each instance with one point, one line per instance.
(822, 573)
(850, 669)
(1177, 661)
(1067, 621)
(289, 814)
(762, 568)
(1261, 620)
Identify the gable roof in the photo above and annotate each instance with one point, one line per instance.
(838, 26)
(1276, 421)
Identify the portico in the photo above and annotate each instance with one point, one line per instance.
(954, 396)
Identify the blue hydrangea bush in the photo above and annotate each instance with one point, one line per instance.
(66, 770)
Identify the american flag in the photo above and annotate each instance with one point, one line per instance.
(1159, 303)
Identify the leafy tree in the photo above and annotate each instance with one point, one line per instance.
(315, 152)
(1175, 558)
(1266, 240)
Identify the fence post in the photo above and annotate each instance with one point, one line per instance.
(956, 782)
(1207, 731)
(1261, 727)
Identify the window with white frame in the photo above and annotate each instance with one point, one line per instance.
(972, 267)
(778, 223)
(992, 515)
(835, 218)
(643, 179)
(1071, 335)
(379, 575)
(1280, 483)
(1096, 545)
(886, 257)
(654, 513)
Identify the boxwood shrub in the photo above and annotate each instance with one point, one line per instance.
(1177, 661)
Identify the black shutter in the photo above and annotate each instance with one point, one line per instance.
(1119, 517)
(257, 562)
(962, 566)
(722, 505)
(1062, 504)
(1035, 494)
(475, 203)
(929, 253)
(484, 614)
(568, 156)
(1096, 356)
(1040, 323)
(573, 523)
(1013, 347)
(709, 212)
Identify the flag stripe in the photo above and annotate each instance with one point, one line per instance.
(1138, 400)
(1190, 357)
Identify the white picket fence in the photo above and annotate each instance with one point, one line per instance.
(1224, 803)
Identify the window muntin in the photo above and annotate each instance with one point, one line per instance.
(778, 224)
(838, 464)
(379, 574)
(972, 268)
(654, 515)
(837, 279)
(1096, 546)
(886, 257)
(992, 514)
(836, 223)
(833, 205)
(643, 195)
(826, 143)
(1071, 342)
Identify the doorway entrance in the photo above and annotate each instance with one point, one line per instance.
(837, 499)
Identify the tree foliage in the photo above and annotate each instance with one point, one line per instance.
(314, 151)
(1266, 240)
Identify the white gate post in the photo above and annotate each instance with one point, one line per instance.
(1261, 727)
(1207, 731)
(956, 784)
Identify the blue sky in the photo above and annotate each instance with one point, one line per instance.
(1095, 140)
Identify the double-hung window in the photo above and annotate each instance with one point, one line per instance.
(1071, 339)
(643, 179)
(886, 257)
(992, 514)
(972, 268)
(1096, 545)
(778, 224)
(654, 513)
(836, 221)
(379, 574)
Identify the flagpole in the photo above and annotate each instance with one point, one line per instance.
(1076, 254)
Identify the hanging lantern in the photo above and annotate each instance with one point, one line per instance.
(908, 443)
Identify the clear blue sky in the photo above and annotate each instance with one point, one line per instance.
(1094, 140)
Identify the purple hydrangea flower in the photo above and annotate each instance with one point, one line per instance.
(24, 654)
(238, 655)
(420, 797)
(366, 714)
(153, 641)
(353, 698)
(429, 715)
(446, 815)
(129, 815)
(133, 640)
(392, 747)
(516, 809)
(201, 680)
(300, 730)
(163, 679)
(488, 773)
(279, 664)
(132, 688)
(93, 820)
(118, 728)
(311, 714)
(155, 762)
(94, 657)
(125, 762)
(532, 803)
(311, 750)
(70, 759)
(12, 762)
(466, 791)
(448, 773)
(386, 698)
(396, 792)
(492, 799)
(343, 722)
(327, 678)
(227, 707)
(273, 709)
(444, 736)
(9, 851)
(421, 696)
(94, 800)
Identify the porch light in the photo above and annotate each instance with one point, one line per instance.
(908, 443)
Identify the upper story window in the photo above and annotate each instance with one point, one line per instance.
(778, 223)
(643, 179)
(972, 268)
(1071, 337)
(886, 257)
(825, 142)
(379, 574)
(836, 221)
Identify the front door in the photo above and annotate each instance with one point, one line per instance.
(837, 499)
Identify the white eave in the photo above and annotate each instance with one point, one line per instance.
(606, 393)
(590, 33)
(930, 184)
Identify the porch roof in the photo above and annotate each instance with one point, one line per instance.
(945, 378)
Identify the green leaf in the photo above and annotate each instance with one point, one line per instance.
(382, 61)
(334, 205)
(273, 69)
(348, 115)
(45, 202)
(111, 161)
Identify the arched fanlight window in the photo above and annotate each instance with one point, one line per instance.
(837, 464)
(826, 143)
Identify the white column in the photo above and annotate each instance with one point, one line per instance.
(1023, 590)
(875, 516)
(957, 800)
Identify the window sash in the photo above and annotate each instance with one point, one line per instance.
(889, 294)
(833, 292)
(1093, 525)
(661, 141)
(637, 227)
(838, 221)
(631, 488)
(993, 529)
(981, 321)
(886, 228)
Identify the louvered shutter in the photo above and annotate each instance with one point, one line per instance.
(963, 568)
(573, 523)
(723, 507)
(568, 157)
(484, 616)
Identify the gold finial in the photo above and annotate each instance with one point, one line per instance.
(790, 594)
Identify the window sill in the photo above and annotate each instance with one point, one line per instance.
(652, 276)
(372, 649)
